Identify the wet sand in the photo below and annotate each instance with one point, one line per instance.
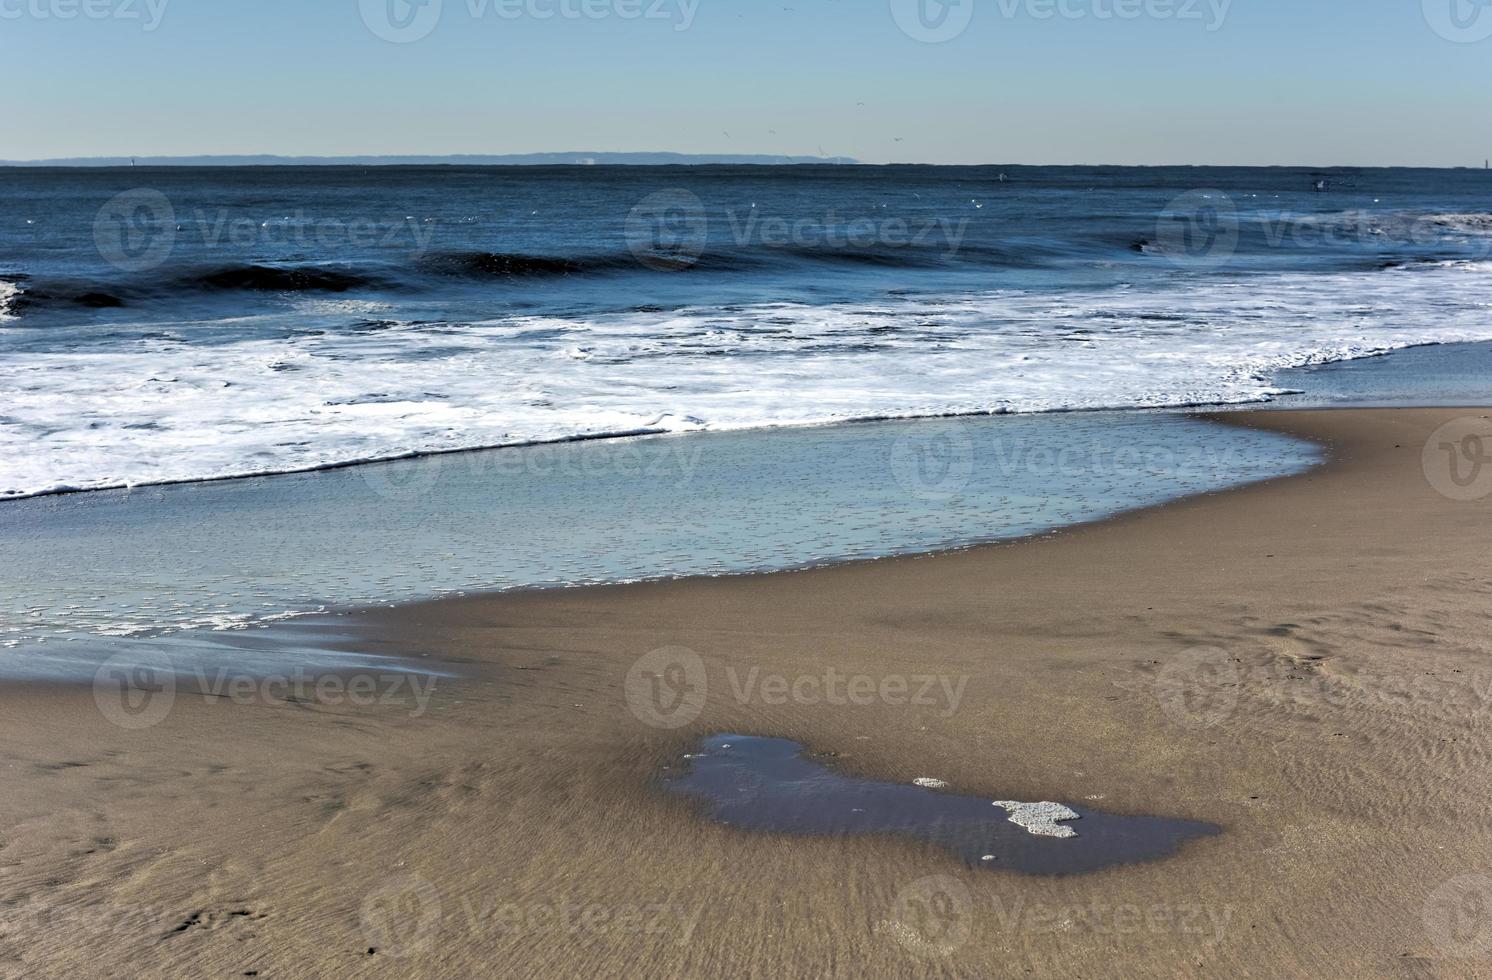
(1302, 663)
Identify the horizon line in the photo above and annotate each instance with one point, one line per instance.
(580, 159)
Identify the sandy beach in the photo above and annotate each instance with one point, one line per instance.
(1303, 663)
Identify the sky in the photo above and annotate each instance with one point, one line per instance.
(1294, 82)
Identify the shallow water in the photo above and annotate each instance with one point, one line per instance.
(206, 659)
(1442, 375)
(770, 785)
(85, 567)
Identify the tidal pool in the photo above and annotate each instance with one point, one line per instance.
(770, 785)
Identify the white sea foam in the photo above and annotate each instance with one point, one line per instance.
(161, 409)
(1040, 819)
(9, 293)
(1473, 222)
(1406, 226)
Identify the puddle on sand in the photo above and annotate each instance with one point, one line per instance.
(767, 784)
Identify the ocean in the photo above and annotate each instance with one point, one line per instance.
(167, 329)
(165, 324)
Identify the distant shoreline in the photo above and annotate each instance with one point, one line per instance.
(580, 159)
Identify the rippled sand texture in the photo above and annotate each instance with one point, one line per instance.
(1303, 663)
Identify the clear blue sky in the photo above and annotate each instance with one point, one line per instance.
(1277, 81)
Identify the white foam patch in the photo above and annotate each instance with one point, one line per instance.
(1398, 226)
(1472, 222)
(162, 409)
(9, 293)
(1040, 819)
(927, 782)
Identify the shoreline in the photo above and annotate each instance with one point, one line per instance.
(651, 510)
(1220, 416)
(352, 622)
(1300, 661)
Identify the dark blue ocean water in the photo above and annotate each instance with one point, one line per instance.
(170, 324)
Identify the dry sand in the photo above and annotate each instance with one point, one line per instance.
(1304, 663)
